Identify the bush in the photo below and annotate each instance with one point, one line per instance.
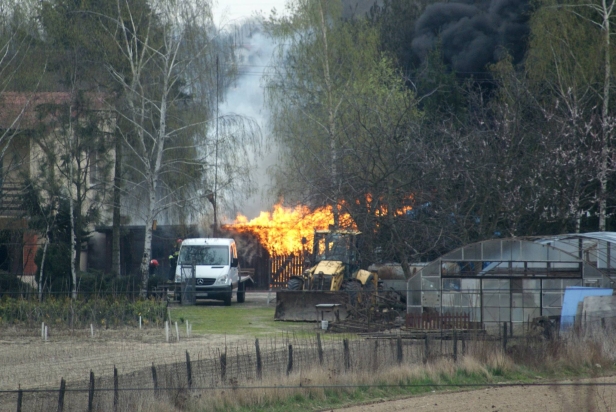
(57, 270)
(80, 313)
(11, 285)
(97, 283)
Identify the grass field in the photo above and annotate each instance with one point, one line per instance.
(251, 318)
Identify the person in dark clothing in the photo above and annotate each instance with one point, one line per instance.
(173, 259)
(153, 267)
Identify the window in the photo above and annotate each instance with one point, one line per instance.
(204, 255)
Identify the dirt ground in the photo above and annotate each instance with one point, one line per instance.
(510, 399)
(33, 364)
(28, 361)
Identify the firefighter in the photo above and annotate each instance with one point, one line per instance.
(153, 267)
(173, 259)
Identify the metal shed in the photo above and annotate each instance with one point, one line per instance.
(512, 280)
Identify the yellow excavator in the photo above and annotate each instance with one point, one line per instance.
(334, 283)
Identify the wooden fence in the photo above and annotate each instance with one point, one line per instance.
(281, 268)
(438, 321)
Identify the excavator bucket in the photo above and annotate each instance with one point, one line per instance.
(311, 306)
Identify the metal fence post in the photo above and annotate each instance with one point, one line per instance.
(91, 392)
(188, 371)
(61, 395)
(259, 362)
(116, 389)
(290, 363)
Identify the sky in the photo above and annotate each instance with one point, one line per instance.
(229, 11)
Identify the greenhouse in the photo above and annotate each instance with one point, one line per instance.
(512, 280)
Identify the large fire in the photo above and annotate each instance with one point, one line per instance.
(281, 231)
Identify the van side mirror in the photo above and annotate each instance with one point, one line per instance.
(234, 262)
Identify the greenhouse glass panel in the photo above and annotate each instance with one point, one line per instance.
(551, 312)
(533, 251)
(449, 300)
(495, 284)
(491, 314)
(552, 300)
(571, 282)
(531, 285)
(492, 250)
(552, 285)
(531, 313)
(517, 315)
(511, 249)
(491, 300)
(472, 252)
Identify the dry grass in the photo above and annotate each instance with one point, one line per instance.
(372, 370)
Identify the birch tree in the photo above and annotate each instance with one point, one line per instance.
(570, 62)
(74, 164)
(307, 90)
(163, 45)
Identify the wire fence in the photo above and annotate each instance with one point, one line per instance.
(269, 364)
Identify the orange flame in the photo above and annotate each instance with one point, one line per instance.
(281, 231)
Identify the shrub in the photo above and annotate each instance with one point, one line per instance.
(81, 313)
(11, 285)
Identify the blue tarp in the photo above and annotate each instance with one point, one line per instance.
(573, 296)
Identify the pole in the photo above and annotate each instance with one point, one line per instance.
(215, 228)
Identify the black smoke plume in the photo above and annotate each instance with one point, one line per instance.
(473, 34)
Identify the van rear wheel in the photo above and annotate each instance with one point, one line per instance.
(241, 292)
(227, 300)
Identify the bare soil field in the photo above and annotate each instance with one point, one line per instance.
(31, 363)
(70, 354)
(508, 399)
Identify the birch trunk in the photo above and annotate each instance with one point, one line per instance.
(117, 182)
(72, 214)
(605, 126)
(42, 274)
(331, 119)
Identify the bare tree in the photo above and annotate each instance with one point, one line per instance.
(162, 46)
(570, 54)
(317, 59)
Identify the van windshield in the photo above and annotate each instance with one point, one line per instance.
(204, 255)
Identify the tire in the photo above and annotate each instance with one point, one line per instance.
(227, 300)
(295, 284)
(353, 289)
(241, 292)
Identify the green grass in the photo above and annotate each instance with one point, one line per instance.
(338, 398)
(236, 320)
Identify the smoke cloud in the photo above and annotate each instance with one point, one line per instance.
(472, 34)
(246, 98)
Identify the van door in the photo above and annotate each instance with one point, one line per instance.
(234, 271)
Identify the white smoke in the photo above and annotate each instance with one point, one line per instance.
(246, 98)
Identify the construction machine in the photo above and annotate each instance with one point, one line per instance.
(332, 285)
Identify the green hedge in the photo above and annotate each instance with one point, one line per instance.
(81, 313)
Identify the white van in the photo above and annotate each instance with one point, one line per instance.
(216, 269)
